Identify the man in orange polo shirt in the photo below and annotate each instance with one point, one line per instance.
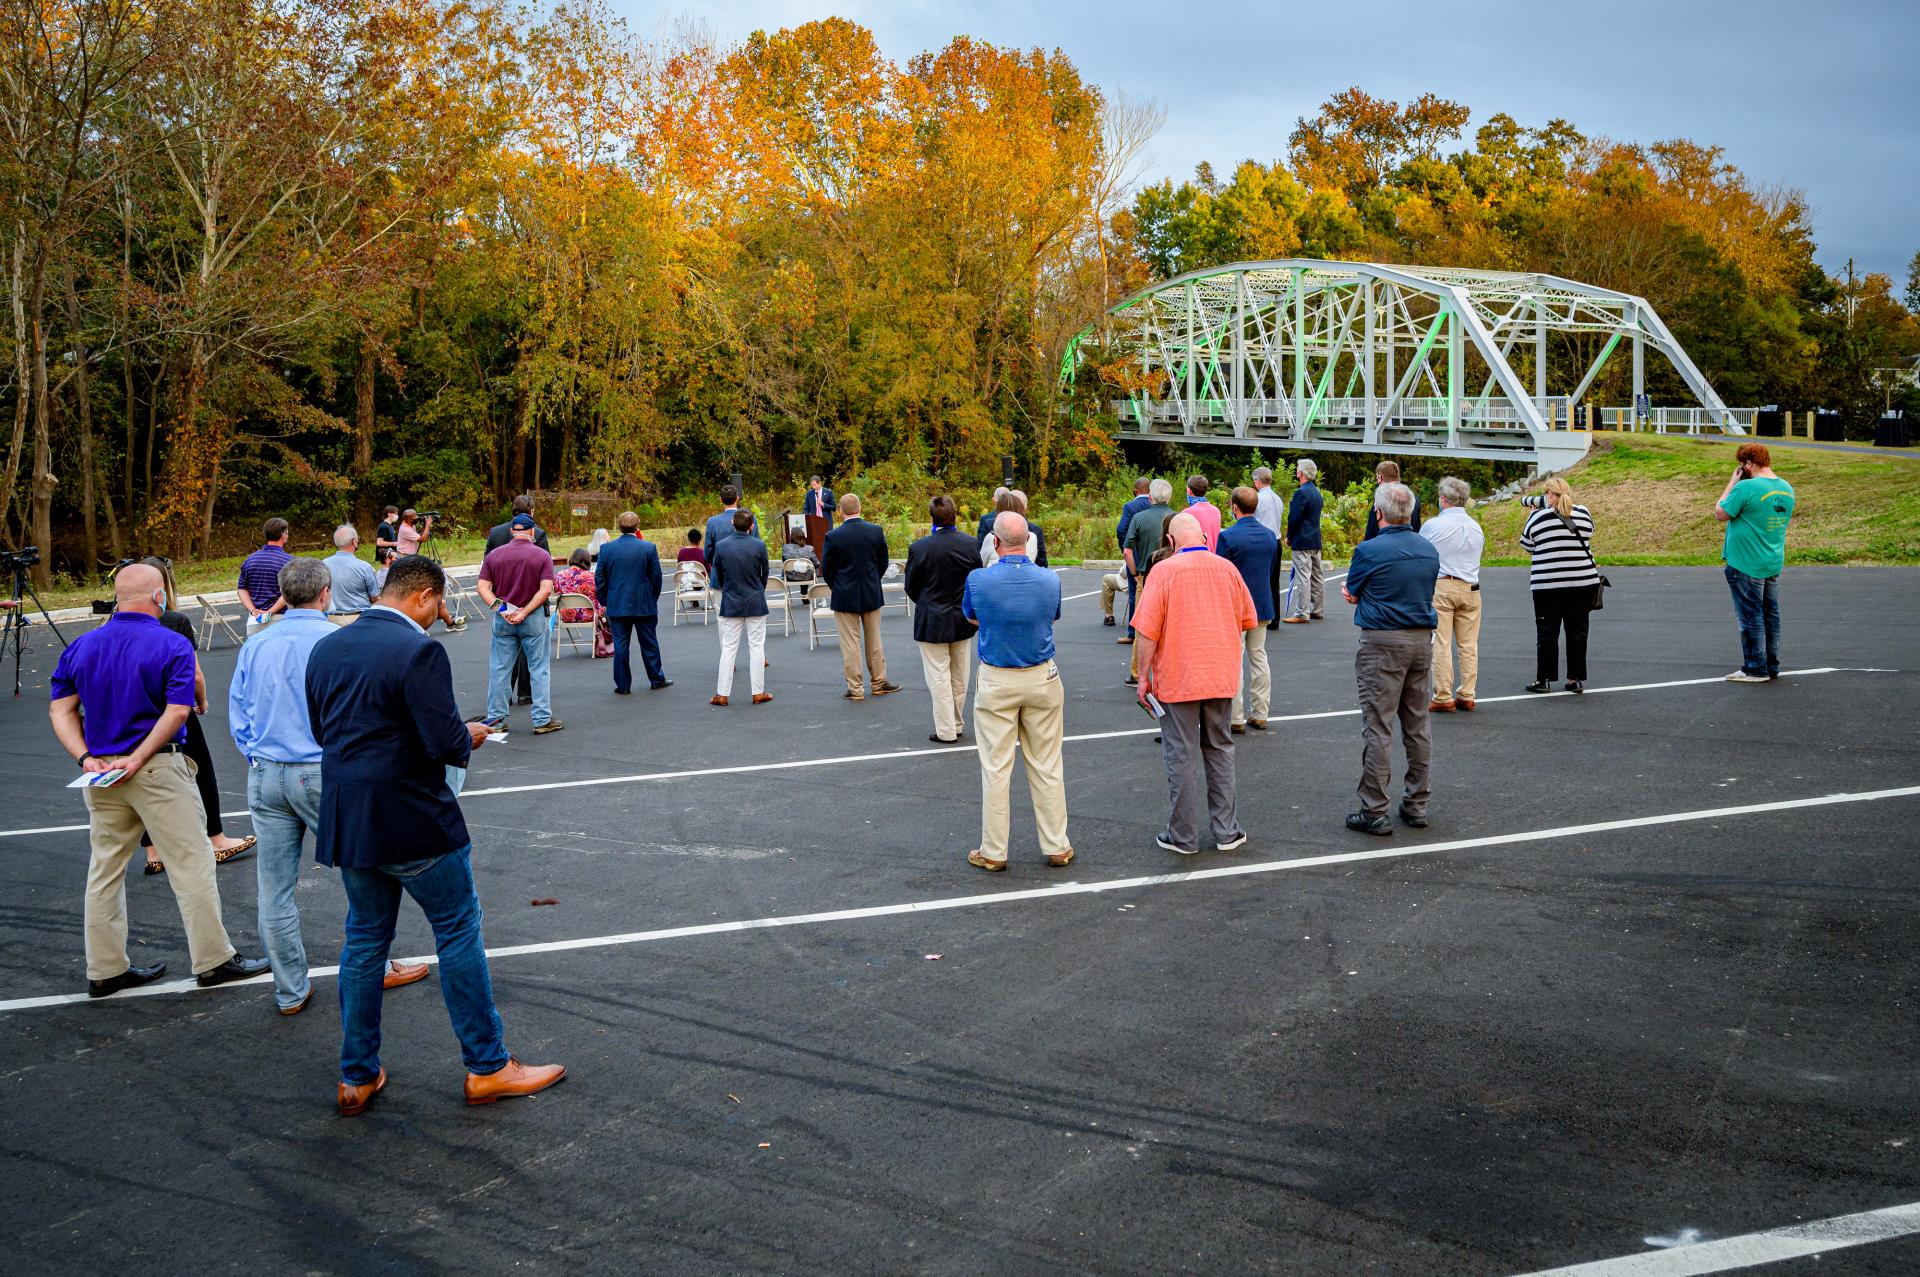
(1193, 610)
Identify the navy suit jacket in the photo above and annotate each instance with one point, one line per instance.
(719, 528)
(825, 502)
(855, 561)
(380, 700)
(1303, 517)
(626, 579)
(740, 574)
(937, 568)
(1251, 547)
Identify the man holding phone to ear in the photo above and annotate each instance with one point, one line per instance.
(1756, 507)
(121, 696)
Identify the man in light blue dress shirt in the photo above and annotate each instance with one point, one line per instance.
(267, 714)
(354, 584)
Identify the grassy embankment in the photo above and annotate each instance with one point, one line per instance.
(1652, 502)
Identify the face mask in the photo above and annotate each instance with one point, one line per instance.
(160, 599)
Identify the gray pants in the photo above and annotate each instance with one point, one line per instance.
(1394, 671)
(1198, 749)
(1309, 585)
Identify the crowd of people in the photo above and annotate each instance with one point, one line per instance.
(351, 732)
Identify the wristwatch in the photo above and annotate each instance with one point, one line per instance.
(81, 762)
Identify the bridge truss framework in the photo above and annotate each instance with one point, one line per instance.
(1363, 357)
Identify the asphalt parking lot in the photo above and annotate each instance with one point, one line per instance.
(1649, 978)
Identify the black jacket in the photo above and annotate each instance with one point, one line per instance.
(501, 533)
(380, 699)
(937, 568)
(855, 560)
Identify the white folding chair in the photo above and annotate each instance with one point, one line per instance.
(894, 582)
(779, 600)
(571, 629)
(462, 601)
(212, 618)
(820, 612)
(798, 575)
(690, 590)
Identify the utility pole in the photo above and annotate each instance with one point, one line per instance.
(1850, 294)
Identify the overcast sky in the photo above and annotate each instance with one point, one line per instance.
(1817, 94)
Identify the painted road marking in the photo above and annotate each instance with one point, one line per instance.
(1059, 890)
(1753, 1249)
(899, 754)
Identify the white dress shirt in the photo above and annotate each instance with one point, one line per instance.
(1460, 541)
(1269, 512)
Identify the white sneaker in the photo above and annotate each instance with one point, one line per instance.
(1741, 676)
(1234, 843)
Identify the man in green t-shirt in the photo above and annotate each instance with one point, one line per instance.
(1756, 508)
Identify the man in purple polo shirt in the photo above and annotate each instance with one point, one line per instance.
(121, 696)
(259, 588)
(515, 580)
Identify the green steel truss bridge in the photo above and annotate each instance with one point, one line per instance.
(1361, 357)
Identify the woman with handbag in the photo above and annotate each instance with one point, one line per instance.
(1566, 583)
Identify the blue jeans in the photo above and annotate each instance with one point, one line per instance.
(284, 799)
(443, 888)
(1756, 604)
(532, 636)
(625, 630)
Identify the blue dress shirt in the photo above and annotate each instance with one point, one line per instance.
(1015, 605)
(267, 703)
(1393, 577)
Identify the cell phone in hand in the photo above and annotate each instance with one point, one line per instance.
(1152, 705)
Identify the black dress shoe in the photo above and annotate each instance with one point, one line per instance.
(1412, 820)
(1542, 686)
(664, 683)
(623, 691)
(941, 740)
(1110, 621)
(235, 968)
(1576, 687)
(131, 978)
(1361, 823)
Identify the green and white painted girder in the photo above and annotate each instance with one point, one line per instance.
(1249, 354)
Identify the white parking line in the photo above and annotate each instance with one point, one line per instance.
(1753, 1249)
(900, 754)
(1060, 890)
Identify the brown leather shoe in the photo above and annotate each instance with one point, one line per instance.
(718, 700)
(299, 1006)
(979, 861)
(1440, 707)
(885, 689)
(354, 1099)
(1461, 702)
(1294, 620)
(515, 1079)
(399, 973)
(1062, 860)
(1238, 729)
(762, 698)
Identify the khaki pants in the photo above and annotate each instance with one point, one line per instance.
(160, 798)
(854, 628)
(1255, 642)
(1111, 585)
(1027, 706)
(946, 666)
(1457, 605)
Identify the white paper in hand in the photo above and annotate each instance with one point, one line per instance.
(95, 780)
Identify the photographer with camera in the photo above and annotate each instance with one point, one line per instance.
(122, 695)
(415, 528)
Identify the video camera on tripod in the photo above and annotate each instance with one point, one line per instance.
(14, 635)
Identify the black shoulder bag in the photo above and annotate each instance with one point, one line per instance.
(1600, 590)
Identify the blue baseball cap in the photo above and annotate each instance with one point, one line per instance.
(522, 522)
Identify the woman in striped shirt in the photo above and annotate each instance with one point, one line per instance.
(1557, 534)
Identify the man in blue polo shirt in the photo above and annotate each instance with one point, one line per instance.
(259, 586)
(1390, 583)
(1019, 697)
(121, 696)
(267, 714)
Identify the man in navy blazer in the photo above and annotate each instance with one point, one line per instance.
(740, 574)
(855, 562)
(938, 565)
(1252, 547)
(380, 703)
(626, 580)
(720, 526)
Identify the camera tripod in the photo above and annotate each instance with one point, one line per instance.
(15, 633)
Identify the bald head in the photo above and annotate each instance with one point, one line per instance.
(139, 588)
(1010, 529)
(1185, 531)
